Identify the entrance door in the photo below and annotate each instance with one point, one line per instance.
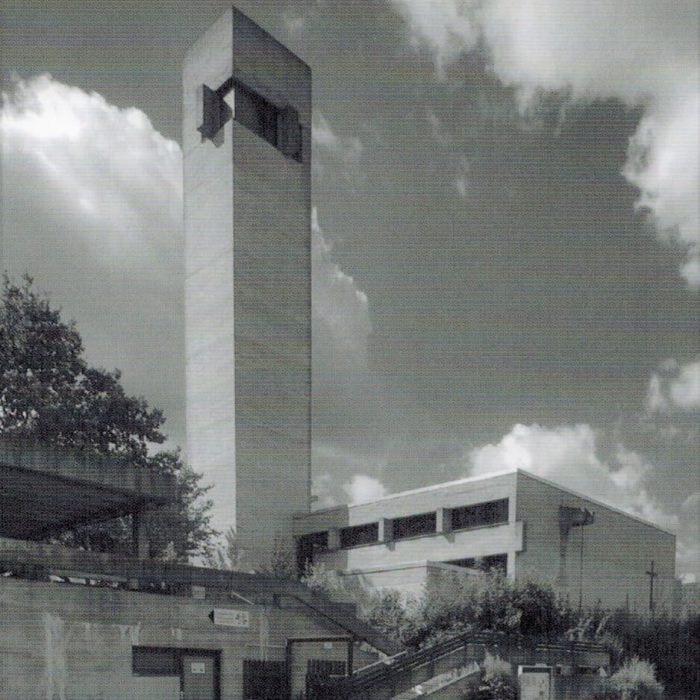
(199, 676)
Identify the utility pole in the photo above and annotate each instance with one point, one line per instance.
(652, 575)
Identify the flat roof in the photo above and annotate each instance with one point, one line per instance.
(484, 477)
(45, 490)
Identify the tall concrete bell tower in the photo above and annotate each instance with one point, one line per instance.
(247, 190)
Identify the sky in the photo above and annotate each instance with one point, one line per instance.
(506, 247)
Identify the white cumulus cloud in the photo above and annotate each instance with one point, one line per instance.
(362, 488)
(643, 52)
(674, 388)
(92, 208)
(340, 308)
(568, 456)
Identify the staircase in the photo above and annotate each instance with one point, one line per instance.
(435, 670)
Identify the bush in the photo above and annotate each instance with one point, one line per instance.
(392, 613)
(636, 680)
(497, 682)
(454, 604)
(321, 580)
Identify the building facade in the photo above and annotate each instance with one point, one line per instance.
(528, 527)
(102, 626)
(247, 207)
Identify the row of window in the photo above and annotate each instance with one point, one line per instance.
(477, 515)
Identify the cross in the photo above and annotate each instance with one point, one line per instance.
(652, 575)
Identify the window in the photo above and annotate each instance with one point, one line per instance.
(480, 514)
(307, 545)
(488, 563)
(359, 534)
(278, 126)
(414, 525)
(154, 661)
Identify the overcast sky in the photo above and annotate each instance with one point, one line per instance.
(506, 249)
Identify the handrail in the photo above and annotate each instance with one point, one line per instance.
(359, 630)
(381, 672)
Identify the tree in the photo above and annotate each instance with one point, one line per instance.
(48, 392)
(227, 556)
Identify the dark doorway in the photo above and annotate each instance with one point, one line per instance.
(264, 680)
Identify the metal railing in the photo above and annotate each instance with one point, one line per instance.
(397, 673)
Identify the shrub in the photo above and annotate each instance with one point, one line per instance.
(636, 680)
(391, 612)
(497, 682)
(325, 581)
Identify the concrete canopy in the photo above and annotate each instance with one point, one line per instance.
(45, 490)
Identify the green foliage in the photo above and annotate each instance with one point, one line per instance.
(392, 613)
(282, 563)
(49, 393)
(227, 556)
(672, 646)
(320, 579)
(635, 680)
(454, 604)
(497, 682)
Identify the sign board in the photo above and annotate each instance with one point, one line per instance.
(198, 667)
(535, 682)
(230, 618)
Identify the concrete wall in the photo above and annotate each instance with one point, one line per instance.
(450, 494)
(209, 332)
(410, 577)
(617, 550)
(438, 547)
(63, 641)
(248, 312)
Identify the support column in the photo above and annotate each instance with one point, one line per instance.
(443, 520)
(386, 530)
(333, 538)
(139, 535)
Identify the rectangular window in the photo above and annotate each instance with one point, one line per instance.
(359, 534)
(278, 126)
(488, 563)
(480, 514)
(414, 525)
(154, 661)
(307, 546)
(255, 113)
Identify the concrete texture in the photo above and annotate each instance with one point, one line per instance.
(63, 641)
(45, 490)
(248, 303)
(617, 548)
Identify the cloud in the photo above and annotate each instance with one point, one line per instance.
(360, 489)
(639, 51)
(674, 388)
(340, 308)
(330, 147)
(689, 540)
(568, 455)
(92, 208)
(461, 181)
(363, 488)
